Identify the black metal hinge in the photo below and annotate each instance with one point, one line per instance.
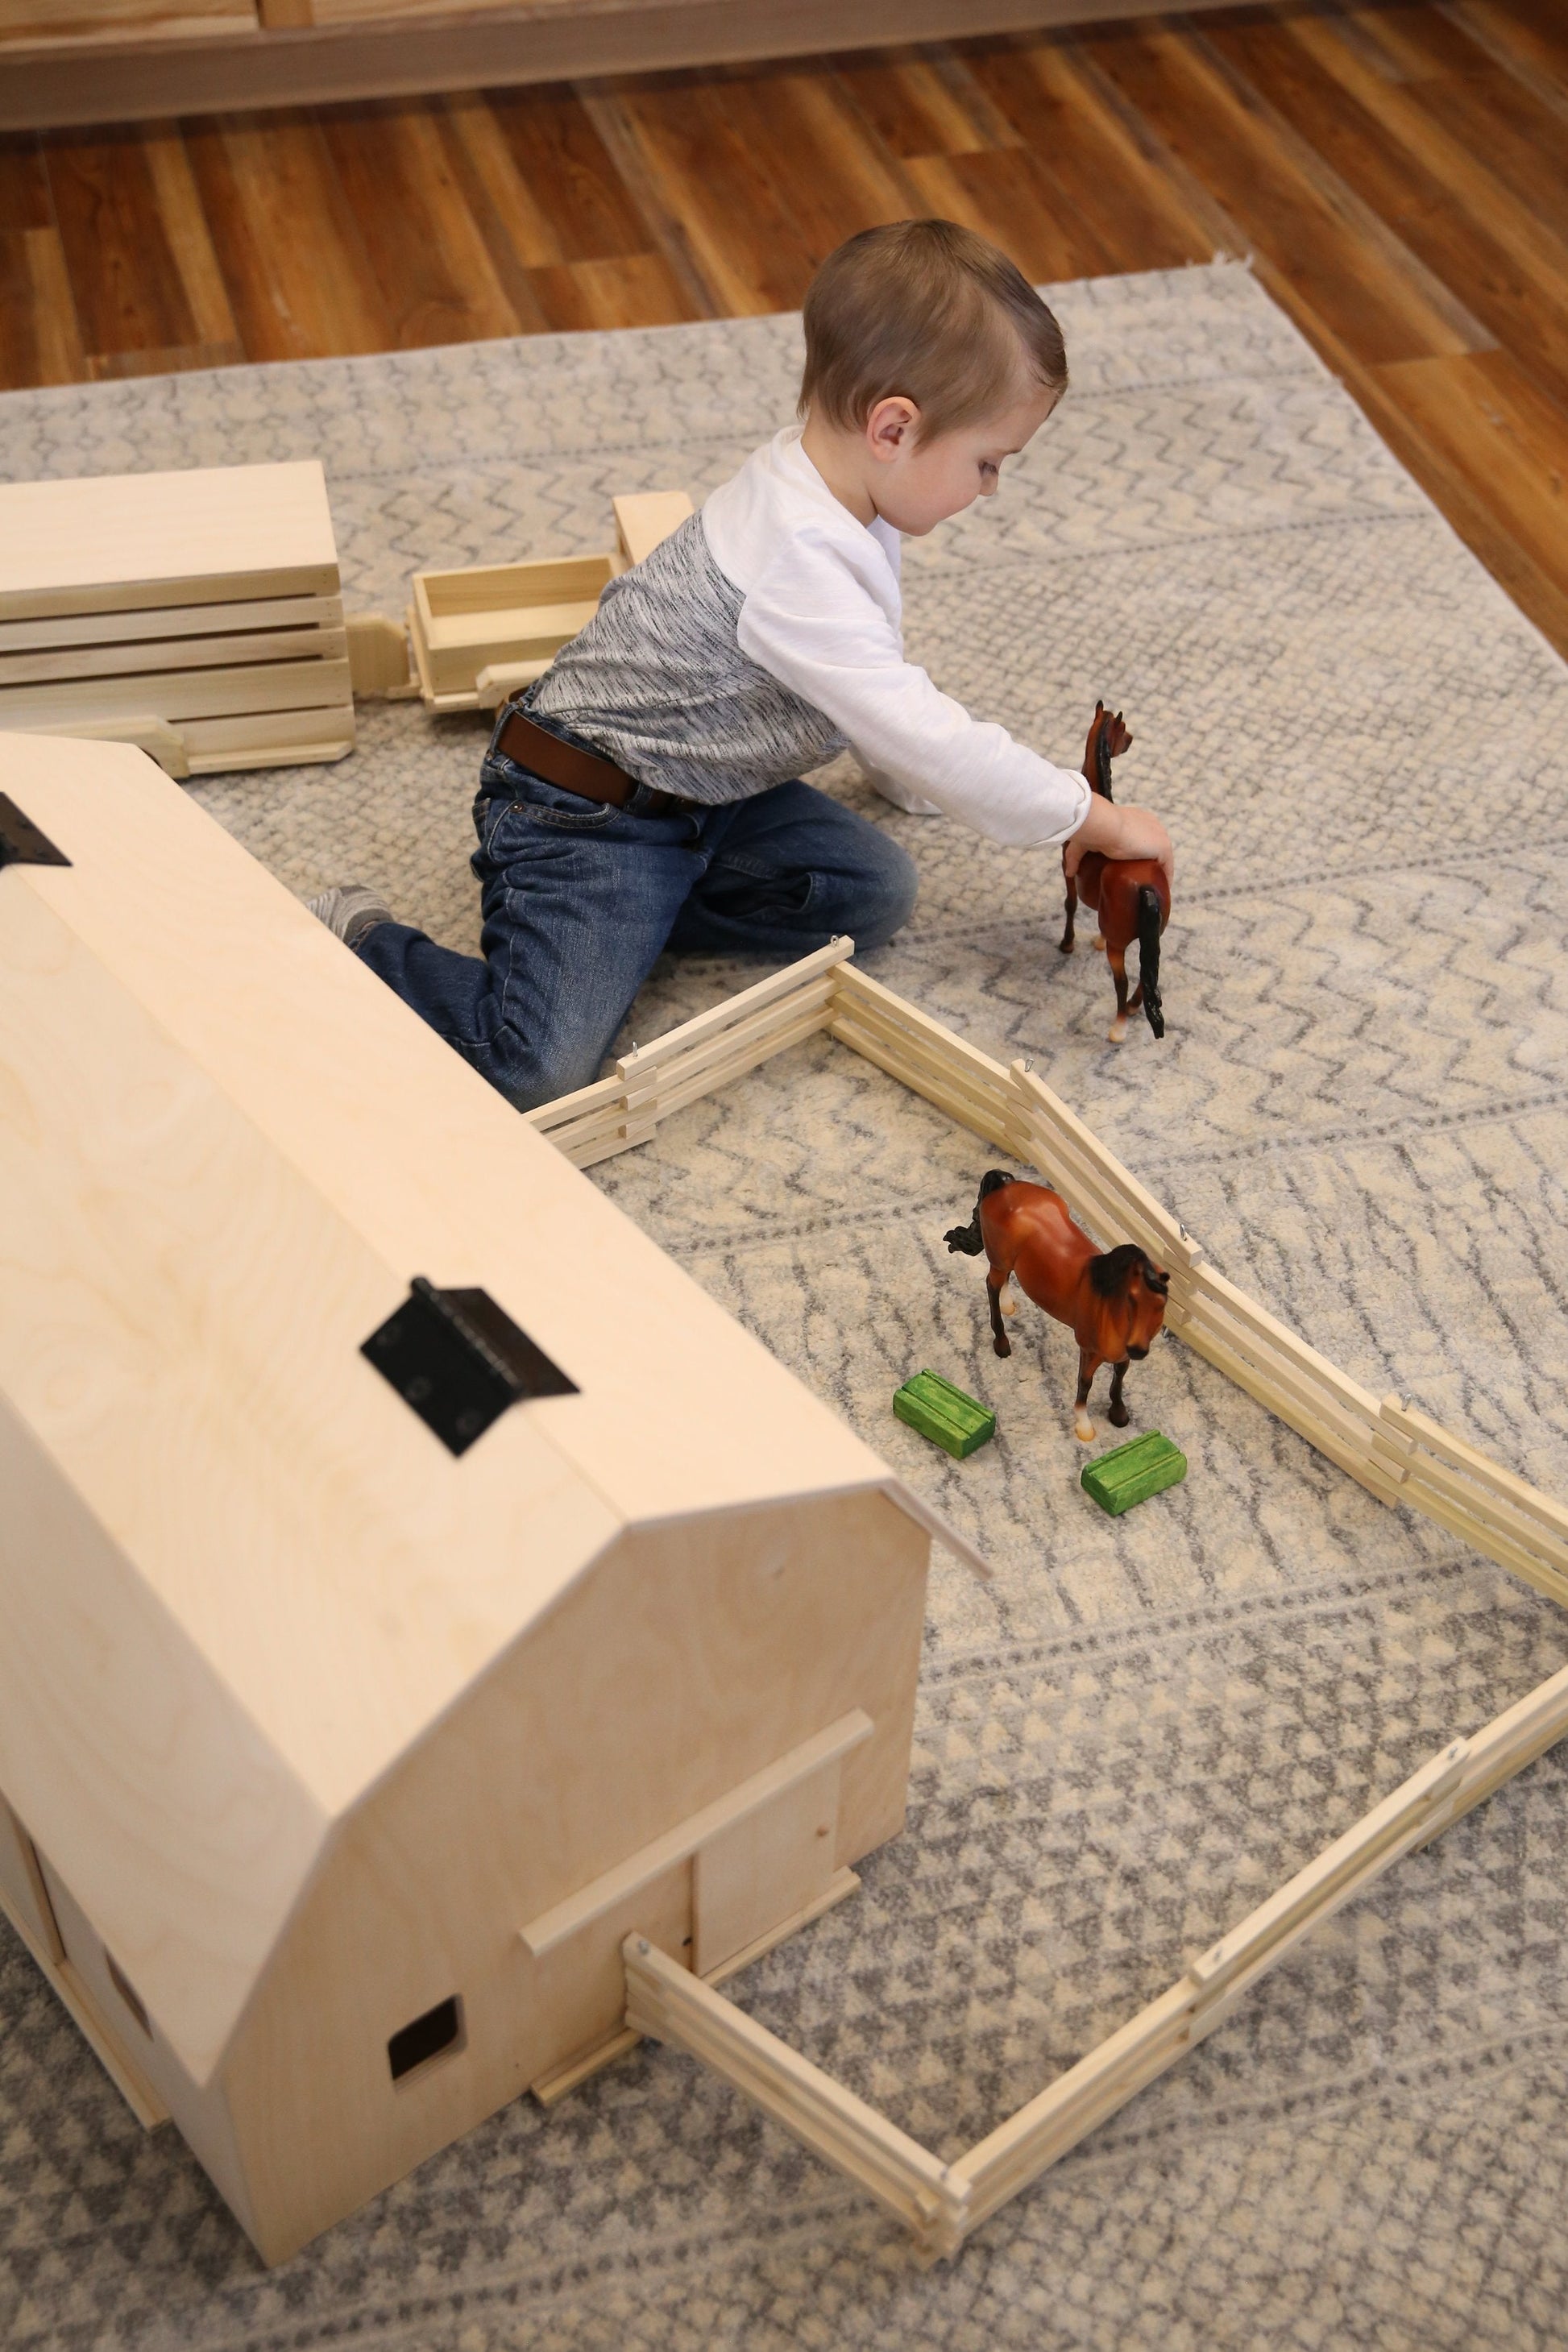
(459, 1360)
(21, 843)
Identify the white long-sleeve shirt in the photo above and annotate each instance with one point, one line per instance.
(764, 637)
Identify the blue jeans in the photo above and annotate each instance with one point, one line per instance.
(579, 899)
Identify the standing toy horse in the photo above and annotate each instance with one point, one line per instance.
(1131, 895)
(1114, 1300)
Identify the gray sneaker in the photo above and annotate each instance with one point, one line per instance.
(349, 910)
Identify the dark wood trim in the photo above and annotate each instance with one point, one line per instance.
(551, 40)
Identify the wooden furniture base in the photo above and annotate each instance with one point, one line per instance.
(287, 63)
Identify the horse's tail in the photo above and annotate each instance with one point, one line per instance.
(969, 1238)
(1149, 955)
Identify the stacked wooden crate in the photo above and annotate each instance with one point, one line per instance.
(198, 615)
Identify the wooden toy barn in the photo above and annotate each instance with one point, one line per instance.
(410, 1582)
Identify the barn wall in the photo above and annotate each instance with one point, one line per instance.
(200, 2113)
(689, 1657)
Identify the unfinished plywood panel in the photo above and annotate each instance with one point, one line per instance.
(375, 1944)
(339, 1736)
(197, 613)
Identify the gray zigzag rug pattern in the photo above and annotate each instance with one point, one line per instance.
(1143, 1724)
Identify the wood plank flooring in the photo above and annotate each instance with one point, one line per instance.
(1397, 169)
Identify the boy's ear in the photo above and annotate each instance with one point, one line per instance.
(892, 427)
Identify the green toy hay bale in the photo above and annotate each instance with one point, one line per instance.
(1131, 1473)
(944, 1414)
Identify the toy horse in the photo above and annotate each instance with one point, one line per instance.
(1114, 1300)
(1131, 895)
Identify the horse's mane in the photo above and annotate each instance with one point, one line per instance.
(1110, 1272)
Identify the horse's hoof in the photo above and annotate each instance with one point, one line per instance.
(1003, 1345)
(1065, 947)
(1098, 943)
(1117, 1032)
(1007, 1303)
(1118, 1416)
(1083, 1429)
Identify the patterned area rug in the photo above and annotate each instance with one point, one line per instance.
(1142, 1725)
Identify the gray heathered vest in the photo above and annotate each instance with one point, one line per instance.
(657, 683)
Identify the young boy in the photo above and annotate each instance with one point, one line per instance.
(645, 794)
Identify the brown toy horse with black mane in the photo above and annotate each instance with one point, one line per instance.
(1113, 1300)
(1131, 895)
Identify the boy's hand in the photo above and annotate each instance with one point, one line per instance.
(1116, 831)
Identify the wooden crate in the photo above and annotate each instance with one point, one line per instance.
(483, 632)
(198, 615)
(511, 618)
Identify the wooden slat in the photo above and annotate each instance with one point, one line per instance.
(1282, 1390)
(1164, 2032)
(181, 694)
(269, 739)
(735, 1010)
(578, 1911)
(666, 2002)
(204, 652)
(993, 1125)
(941, 1078)
(1421, 1430)
(619, 1130)
(282, 613)
(1176, 1248)
(943, 1057)
(551, 2087)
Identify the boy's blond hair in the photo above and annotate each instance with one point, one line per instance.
(929, 310)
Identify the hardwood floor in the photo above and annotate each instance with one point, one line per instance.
(1397, 170)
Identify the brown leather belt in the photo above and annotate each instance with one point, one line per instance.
(576, 771)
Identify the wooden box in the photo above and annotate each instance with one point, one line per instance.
(480, 633)
(336, 1764)
(464, 624)
(198, 615)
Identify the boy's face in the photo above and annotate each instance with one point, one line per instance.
(915, 486)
